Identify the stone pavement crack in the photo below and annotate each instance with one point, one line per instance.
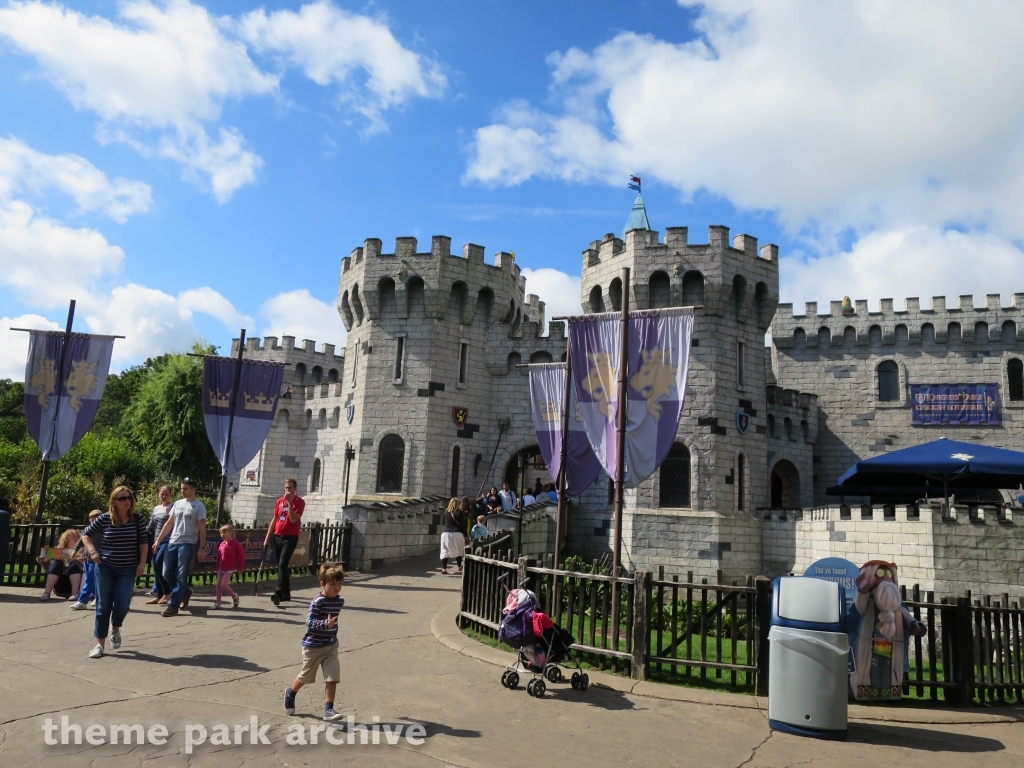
(753, 752)
(47, 626)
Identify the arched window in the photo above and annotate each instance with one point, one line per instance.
(888, 381)
(390, 464)
(805, 430)
(771, 425)
(357, 305)
(484, 305)
(540, 357)
(300, 373)
(386, 297)
(456, 459)
(615, 294)
(596, 299)
(953, 333)
(282, 416)
(659, 291)
(800, 337)
(457, 300)
(850, 336)
(875, 334)
(981, 332)
(674, 490)
(316, 375)
(346, 311)
(314, 480)
(321, 419)
(693, 289)
(336, 416)
(1015, 379)
(512, 363)
(415, 301)
(928, 333)
(902, 335)
(1009, 331)
(332, 375)
(824, 336)
(787, 425)
(309, 418)
(739, 295)
(761, 302)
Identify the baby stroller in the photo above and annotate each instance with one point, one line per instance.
(540, 644)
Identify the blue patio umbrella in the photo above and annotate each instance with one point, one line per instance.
(943, 461)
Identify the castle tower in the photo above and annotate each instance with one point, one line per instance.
(737, 287)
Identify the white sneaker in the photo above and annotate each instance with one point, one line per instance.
(78, 606)
(92, 604)
(96, 652)
(115, 639)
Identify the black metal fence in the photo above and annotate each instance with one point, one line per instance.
(715, 635)
(327, 543)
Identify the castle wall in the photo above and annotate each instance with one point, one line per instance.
(836, 356)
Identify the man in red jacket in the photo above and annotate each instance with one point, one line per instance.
(285, 530)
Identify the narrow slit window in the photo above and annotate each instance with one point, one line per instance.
(741, 373)
(463, 363)
(355, 361)
(399, 359)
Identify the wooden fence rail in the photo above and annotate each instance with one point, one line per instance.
(330, 542)
(716, 634)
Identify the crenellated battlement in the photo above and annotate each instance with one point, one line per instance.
(941, 323)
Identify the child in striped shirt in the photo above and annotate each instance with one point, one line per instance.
(320, 643)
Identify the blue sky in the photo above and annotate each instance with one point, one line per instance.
(184, 169)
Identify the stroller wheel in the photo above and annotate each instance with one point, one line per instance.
(504, 678)
(584, 682)
(539, 688)
(553, 674)
(529, 687)
(512, 680)
(574, 681)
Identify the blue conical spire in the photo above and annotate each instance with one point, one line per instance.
(637, 217)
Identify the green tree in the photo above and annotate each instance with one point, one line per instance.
(166, 418)
(12, 411)
(121, 389)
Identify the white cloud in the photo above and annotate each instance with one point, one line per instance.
(212, 303)
(14, 344)
(851, 115)
(45, 262)
(559, 291)
(23, 169)
(297, 313)
(170, 67)
(916, 261)
(166, 67)
(355, 53)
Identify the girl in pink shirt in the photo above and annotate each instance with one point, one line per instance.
(230, 558)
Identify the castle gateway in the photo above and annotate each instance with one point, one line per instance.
(412, 407)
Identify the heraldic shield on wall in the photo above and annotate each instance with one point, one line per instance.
(547, 391)
(659, 360)
(60, 405)
(258, 388)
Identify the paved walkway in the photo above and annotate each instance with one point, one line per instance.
(225, 667)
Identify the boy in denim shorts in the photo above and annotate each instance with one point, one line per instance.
(320, 643)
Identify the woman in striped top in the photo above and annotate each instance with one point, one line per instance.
(121, 558)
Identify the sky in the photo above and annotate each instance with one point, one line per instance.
(184, 170)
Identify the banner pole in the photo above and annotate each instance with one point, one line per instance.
(563, 484)
(44, 481)
(231, 423)
(620, 443)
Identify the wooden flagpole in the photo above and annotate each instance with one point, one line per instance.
(231, 424)
(44, 481)
(620, 440)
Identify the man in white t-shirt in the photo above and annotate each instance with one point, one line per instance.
(508, 497)
(186, 525)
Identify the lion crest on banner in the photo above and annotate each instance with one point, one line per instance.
(655, 379)
(600, 380)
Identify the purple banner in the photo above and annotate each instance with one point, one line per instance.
(657, 368)
(61, 405)
(967, 404)
(258, 388)
(547, 391)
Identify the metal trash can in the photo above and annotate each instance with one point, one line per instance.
(808, 658)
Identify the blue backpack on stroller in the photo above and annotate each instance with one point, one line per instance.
(516, 628)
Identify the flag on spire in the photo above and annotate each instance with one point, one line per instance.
(634, 183)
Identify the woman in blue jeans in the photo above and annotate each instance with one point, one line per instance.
(120, 559)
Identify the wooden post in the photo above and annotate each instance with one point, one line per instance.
(521, 575)
(964, 651)
(563, 484)
(762, 614)
(620, 441)
(44, 480)
(641, 625)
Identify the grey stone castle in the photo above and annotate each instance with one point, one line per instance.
(427, 400)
